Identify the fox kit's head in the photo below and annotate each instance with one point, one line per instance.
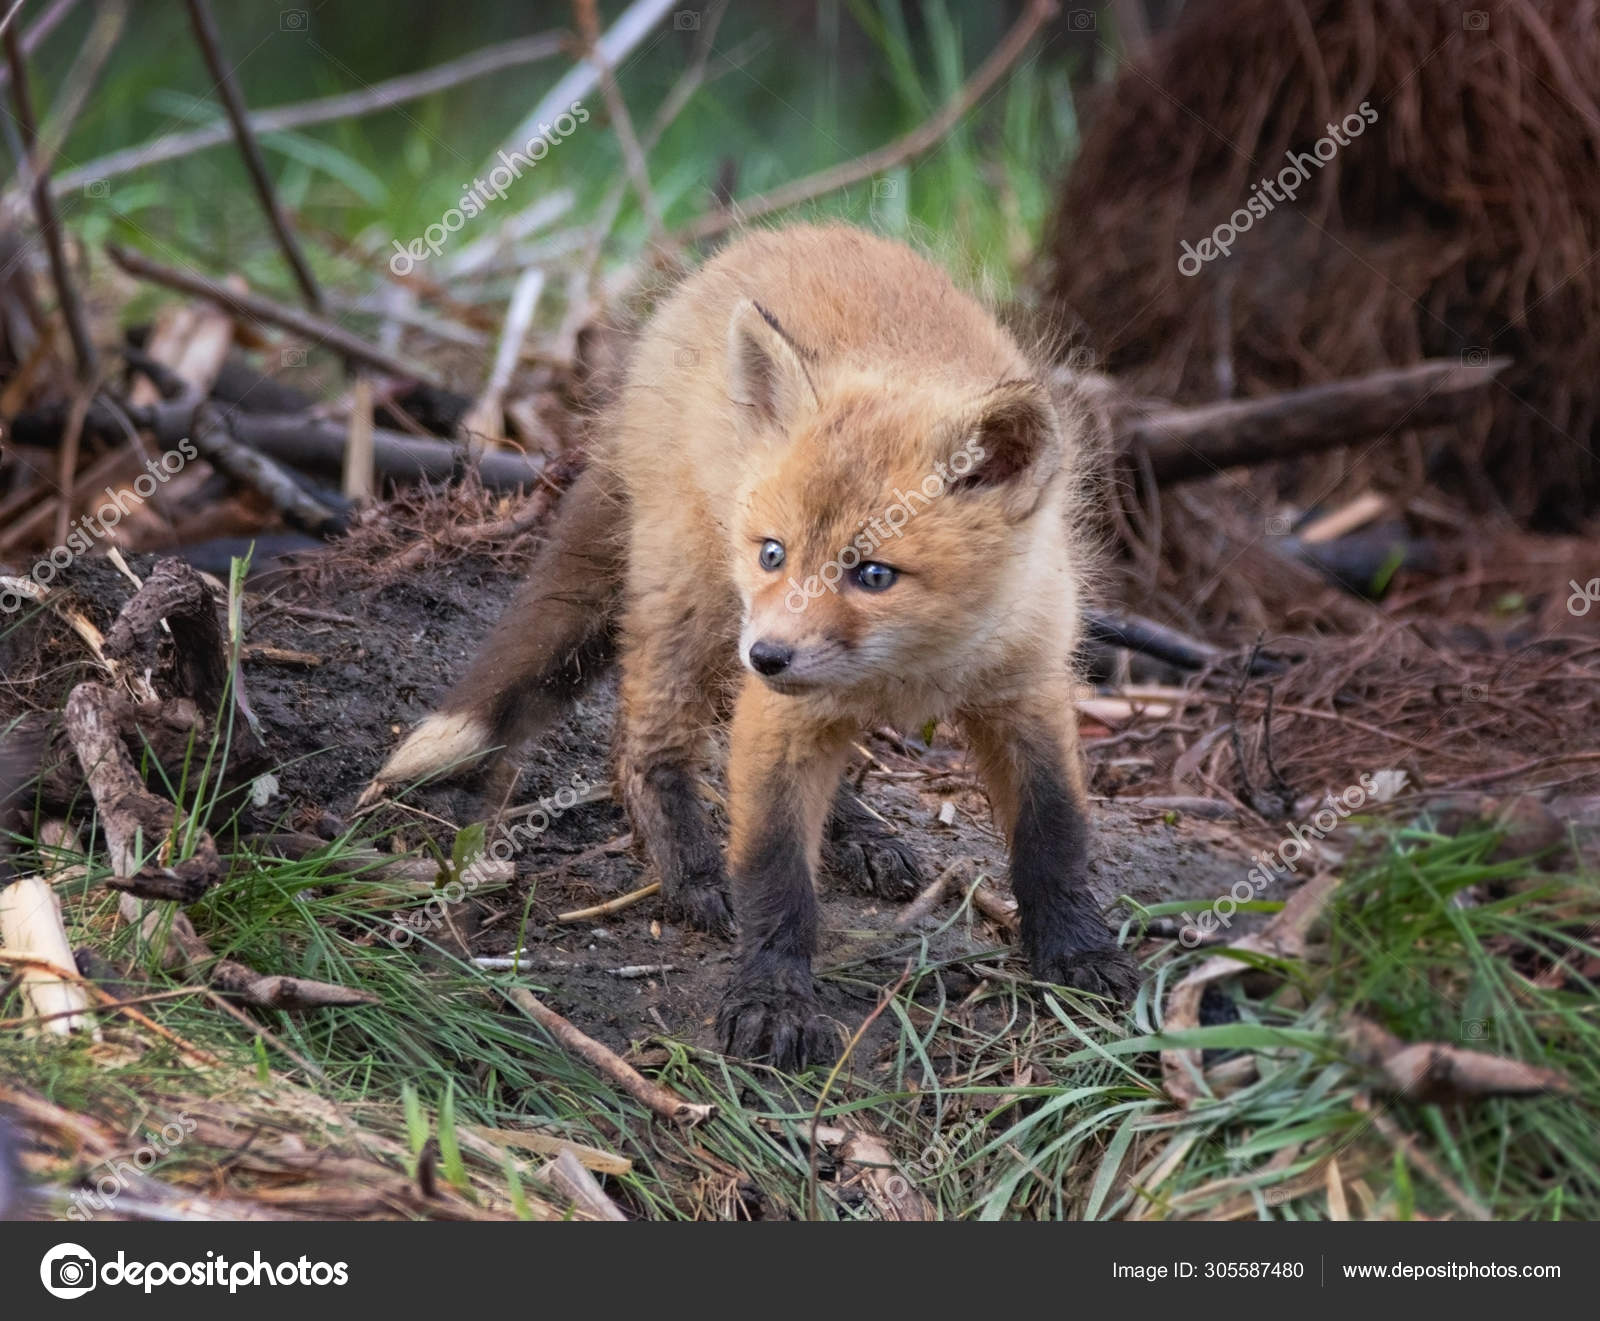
(888, 519)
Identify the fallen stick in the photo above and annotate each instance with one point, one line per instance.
(67, 459)
(180, 948)
(1180, 444)
(1136, 633)
(929, 899)
(318, 447)
(611, 905)
(30, 924)
(32, 525)
(197, 664)
(166, 731)
(592, 1158)
(30, 915)
(301, 440)
(247, 467)
(1439, 1073)
(996, 907)
(567, 1176)
(634, 972)
(264, 311)
(657, 1099)
(1198, 442)
(192, 342)
(138, 825)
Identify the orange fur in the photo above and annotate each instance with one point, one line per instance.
(796, 390)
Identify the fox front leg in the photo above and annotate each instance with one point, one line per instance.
(781, 775)
(1029, 757)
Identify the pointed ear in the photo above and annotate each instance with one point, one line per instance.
(1014, 445)
(766, 372)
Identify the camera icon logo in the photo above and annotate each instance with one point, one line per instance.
(1475, 1029)
(293, 20)
(1475, 20)
(67, 1271)
(686, 20)
(97, 188)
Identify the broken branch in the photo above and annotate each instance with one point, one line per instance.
(1180, 444)
(264, 311)
(668, 1105)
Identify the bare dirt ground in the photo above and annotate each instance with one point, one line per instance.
(329, 726)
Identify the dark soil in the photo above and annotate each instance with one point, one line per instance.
(386, 644)
(331, 726)
(386, 647)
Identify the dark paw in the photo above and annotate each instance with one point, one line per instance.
(702, 905)
(863, 852)
(1106, 971)
(885, 867)
(770, 1021)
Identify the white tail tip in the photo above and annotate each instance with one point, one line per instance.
(440, 743)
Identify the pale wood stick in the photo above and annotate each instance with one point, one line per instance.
(567, 1175)
(611, 905)
(30, 923)
(668, 1105)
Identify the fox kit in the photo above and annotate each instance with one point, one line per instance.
(833, 494)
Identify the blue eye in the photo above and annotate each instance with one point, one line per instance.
(771, 555)
(875, 577)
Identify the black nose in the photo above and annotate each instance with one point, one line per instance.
(770, 658)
